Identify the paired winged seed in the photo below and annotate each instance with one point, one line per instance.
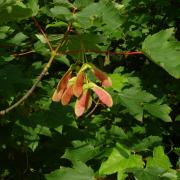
(61, 86)
(106, 81)
(82, 103)
(78, 85)
(64, 80)
(57, 95)
(104, 96)
(67, 95)
(65, 91)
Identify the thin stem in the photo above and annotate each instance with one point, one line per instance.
(85, 51)
(43, 33)
(29, 92)
(94, 108)
(44, 71)
(101, 52)
(23, 53)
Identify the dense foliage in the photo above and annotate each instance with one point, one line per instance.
(136, 43)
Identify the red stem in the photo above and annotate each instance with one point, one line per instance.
(102, 52)
(90, 51)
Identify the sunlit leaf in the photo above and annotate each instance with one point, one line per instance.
(119, 160)
(159, 159)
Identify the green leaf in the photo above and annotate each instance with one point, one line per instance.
(80, 152)
(61, 12)
(159, 110)
(119, 160)
(147, 142)
(178, 118)
(12, 10)
(121, 175)
(137, 101)
(86, 18)
(7, 58)
(147, 173)
(153, 173)
(170, 175)
(31, 133)
(84, 42)
(112, 164)
(79, 172)
(41, 38)
(118, 82)
(118, 132)
(57, 24)
(65, 3)
(164, 50)
(100, 14)
(18, 38)
(33, 5)
(134, 99)
(159, 159)
(41, 48)
(63, 59)
(3, 31)
(177, 150)
(79, 4)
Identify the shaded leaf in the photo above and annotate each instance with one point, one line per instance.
(12, 10)
(159, 110)
(134, 99)
(18, 38)
(81, 151)
(162, 49)
(79, 172)
(61, 12)
(33, 5)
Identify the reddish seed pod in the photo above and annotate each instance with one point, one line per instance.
(105, 80)
(82, 103)
(62, 85)
(57, 95)
(67, 87)
(64, 80)
(78, 85)
(104, 96)
(67, 95)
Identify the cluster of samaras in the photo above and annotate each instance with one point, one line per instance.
(81, 87)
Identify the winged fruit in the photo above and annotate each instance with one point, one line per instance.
(62, 85)
(81, 87)
(78, 85)
(105, 80)
(67, 95)
(104, 96)
(82, 103)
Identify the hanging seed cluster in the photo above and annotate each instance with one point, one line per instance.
(80, 86)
